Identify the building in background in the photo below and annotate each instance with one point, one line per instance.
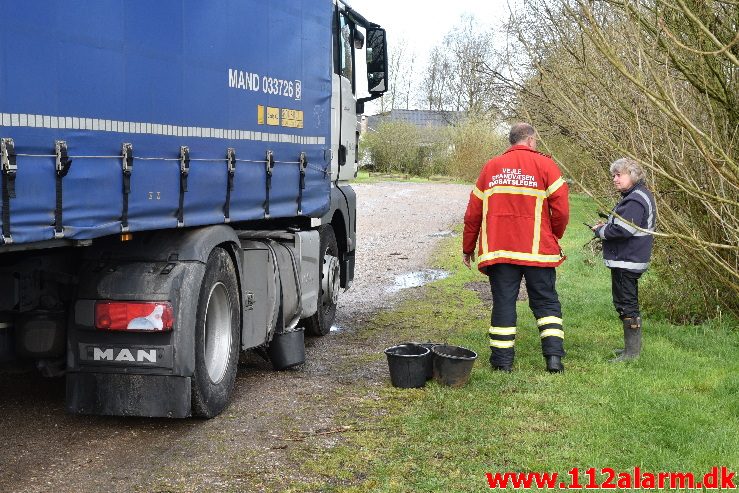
(414, 142)
(420, 118)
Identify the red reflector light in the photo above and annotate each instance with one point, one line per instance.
(134, 316)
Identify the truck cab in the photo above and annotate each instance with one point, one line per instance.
(355, 81)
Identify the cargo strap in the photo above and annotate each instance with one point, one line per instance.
(231, 160)
(269, 165)
(10, 170)
(63, 163)
(127, 159)
(303, 166)
(184, 171)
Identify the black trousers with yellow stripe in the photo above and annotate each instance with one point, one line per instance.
(505, 280)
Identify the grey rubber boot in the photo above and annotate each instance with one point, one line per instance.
(620, 351)
(632, 340)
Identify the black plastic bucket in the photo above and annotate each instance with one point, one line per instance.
(407, 363)
(287, 349)
(429, 358)
(453, 364)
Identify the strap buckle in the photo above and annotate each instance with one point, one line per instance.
(127, 167)
(7, 151)
(127, 158)
(63, 163)
(270, 162)
(184, 160)
(231, 158)
(184, 171)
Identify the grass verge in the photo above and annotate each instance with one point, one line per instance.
(364, 176)
(675, 409)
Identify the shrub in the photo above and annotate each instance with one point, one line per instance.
(473, 142)
(393, 148)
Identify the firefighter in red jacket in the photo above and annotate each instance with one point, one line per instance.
(517, 212)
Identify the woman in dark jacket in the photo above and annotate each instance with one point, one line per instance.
(627, 248)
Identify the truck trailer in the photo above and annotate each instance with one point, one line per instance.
(175, 190)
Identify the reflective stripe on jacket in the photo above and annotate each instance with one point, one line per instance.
(624, 246)
(517, 211)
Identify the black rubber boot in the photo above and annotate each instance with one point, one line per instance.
(496, 365)
(554, 364)
(632, 340)
(499, 367)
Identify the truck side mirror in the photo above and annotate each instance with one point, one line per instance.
(377, 74)
(358, 39)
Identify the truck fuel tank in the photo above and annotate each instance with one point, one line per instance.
(281, 272)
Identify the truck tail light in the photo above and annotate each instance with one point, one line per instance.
(134, 316)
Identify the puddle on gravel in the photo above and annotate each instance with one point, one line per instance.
(337, 328)
(416, 279)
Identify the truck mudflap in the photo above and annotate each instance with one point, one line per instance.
(117, 394)
(146, 373)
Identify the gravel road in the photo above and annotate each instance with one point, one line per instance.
(252, 445)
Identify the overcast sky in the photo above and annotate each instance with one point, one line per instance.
(422, 24)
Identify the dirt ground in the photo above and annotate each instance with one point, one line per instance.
(251, 446)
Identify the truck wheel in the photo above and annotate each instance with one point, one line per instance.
(216, 337)
(328, 295)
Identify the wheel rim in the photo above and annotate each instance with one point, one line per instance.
(217, 332)
(330, 281)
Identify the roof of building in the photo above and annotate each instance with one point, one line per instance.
(420, 118)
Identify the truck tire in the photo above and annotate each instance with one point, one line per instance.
(320, 323)
(216, 337)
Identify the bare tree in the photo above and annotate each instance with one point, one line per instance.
(399, 59)
(471, 49)
(436, 81)
(658, 81)
(409, 81)
(457, 75)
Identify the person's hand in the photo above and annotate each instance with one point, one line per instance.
(467, 259)
(597, 226)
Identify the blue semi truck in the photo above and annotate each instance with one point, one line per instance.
(175, 189)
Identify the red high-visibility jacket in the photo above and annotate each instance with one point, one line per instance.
(519, 209)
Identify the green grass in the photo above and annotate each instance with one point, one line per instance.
(675, 409)
(368, 177)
